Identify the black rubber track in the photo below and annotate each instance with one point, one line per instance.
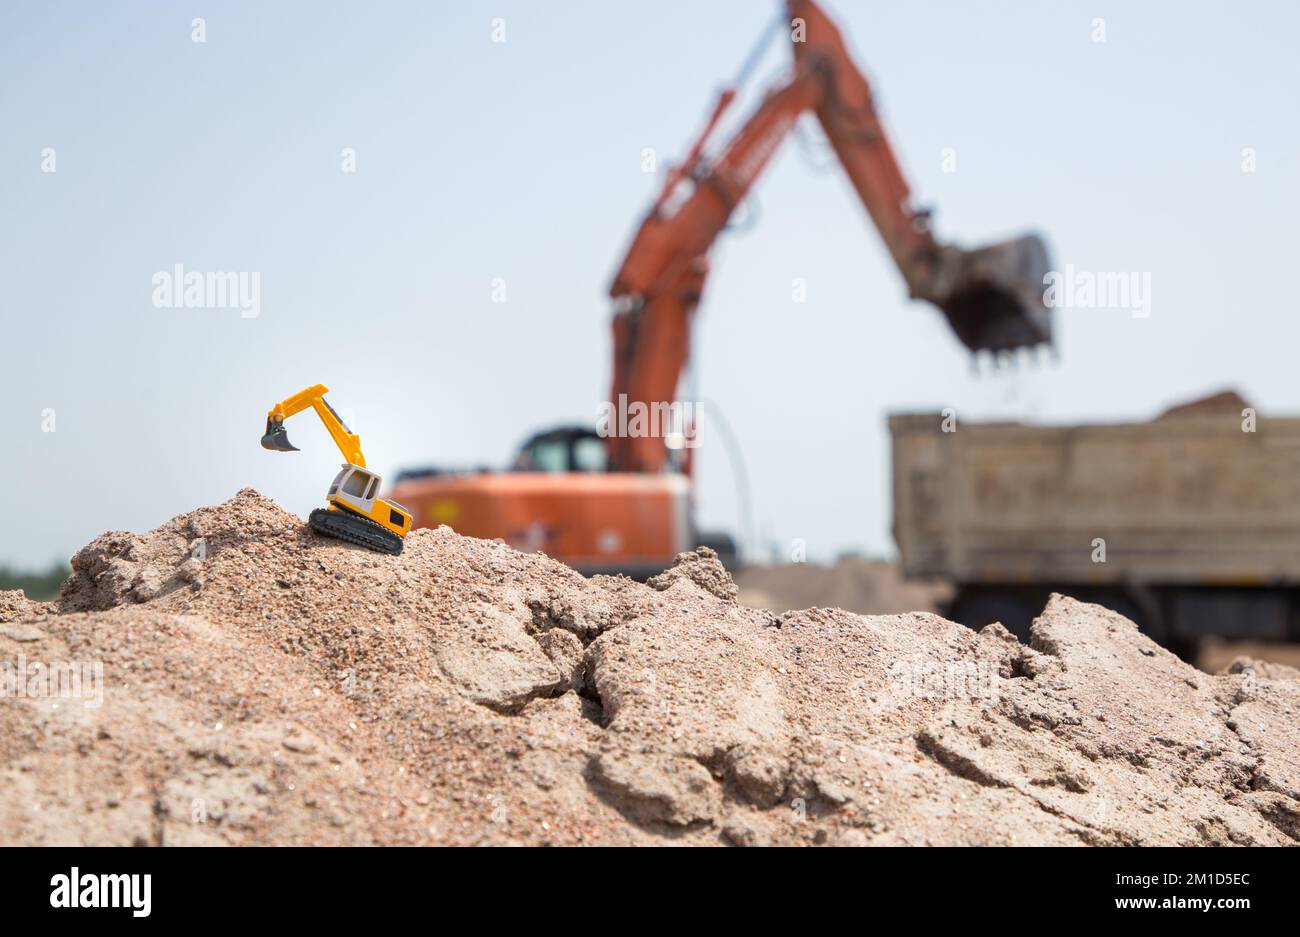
(354, 528)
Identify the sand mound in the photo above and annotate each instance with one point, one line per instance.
(263, 685)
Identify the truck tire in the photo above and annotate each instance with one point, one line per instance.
(723, 545)
(977, 606)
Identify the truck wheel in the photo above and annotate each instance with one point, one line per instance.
(977, 607)
(723, 545)
(1154, 625)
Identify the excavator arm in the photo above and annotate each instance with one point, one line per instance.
(349, 443)
(992, 297)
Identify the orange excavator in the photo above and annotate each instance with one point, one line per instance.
(617, 496)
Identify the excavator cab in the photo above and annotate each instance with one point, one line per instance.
(355, 487)
(564, 449)
(355, 490)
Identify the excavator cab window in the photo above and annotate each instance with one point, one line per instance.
(588, 454)
(548, 455)
(356, 483)
(573, 449)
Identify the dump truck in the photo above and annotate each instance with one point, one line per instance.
(1188, 524)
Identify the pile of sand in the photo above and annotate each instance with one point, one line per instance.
(265, 685)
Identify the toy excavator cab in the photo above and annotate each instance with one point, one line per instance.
(354, 488)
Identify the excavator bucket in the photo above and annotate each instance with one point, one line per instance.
(276, 438)
(993, 296)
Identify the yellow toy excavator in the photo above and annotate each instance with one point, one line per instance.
(354, 513)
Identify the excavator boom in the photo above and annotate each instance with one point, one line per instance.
(991, 297)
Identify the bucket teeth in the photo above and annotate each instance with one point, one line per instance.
(994, 301)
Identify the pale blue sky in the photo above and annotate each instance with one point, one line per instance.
(522, 160)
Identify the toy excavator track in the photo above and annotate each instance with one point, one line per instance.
(354, 528)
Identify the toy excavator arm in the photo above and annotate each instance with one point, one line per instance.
(349, 443)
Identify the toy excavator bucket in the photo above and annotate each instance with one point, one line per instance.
(276, 437)
(994, 295)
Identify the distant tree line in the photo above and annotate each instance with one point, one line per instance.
(41, 585)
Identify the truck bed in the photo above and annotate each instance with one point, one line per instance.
(1189, 498)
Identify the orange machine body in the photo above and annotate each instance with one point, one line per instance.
(597, 522)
